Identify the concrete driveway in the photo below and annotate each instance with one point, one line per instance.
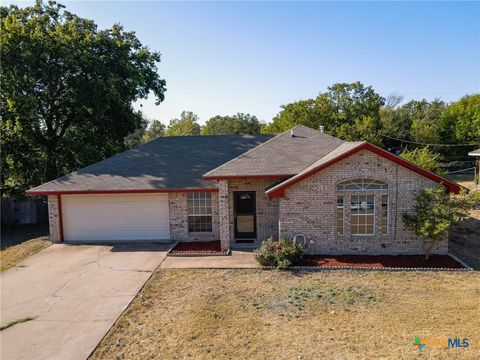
(75, 293)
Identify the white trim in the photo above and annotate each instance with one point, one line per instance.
(388, 215)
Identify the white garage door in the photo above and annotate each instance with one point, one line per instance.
(115, 217)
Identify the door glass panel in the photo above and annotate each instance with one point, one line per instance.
(245, 223)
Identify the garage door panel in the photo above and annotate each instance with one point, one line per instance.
(115, 217)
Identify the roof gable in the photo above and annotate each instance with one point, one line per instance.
(282, 156)
(348, 149)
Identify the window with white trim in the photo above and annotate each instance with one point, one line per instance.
(340, 215)
(362, 214)
(362, 185)
(384, 216)
(199, 208)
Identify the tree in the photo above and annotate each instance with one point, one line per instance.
(67, 92)
(425, 127)
(136, 137)
(186, 125)
(460, 124)
(425, 158)
(434, 211)
(145, 133)
(347, 111)
(239, 124)
(155, 130)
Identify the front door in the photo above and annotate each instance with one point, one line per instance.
(245, 218)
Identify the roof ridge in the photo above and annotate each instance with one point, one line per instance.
(285, 133)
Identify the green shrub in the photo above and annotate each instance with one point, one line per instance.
(281, 254)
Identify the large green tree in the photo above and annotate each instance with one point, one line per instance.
(186, 125)
(425, 158)
(460, 124)
(348, 111)
(238, 124)
(148, 131)
(67, 92)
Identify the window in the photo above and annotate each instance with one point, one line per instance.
(362, 214)
(362, 185)
(384, 216)
(199, 207)
(340, 208)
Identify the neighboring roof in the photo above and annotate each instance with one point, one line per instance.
(165, 163)
(474, 153)
(346, 150)
(282, 156)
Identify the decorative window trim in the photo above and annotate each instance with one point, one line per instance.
(199, 212)
(383, 215)
(340, 215)
(362, 184)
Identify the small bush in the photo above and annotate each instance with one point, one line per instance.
(281, 254)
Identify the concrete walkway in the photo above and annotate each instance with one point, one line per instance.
(75, 293)
(237, 260)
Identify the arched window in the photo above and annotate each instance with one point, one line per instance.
(362, 185)
(362, 206)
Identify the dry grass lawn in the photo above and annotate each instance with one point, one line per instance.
(258, 314)
(21, 242)
(13, 255)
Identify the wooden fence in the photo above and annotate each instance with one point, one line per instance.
(31, 211)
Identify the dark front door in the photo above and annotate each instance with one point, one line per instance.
(245, 218)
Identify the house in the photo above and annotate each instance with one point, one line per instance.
(476, 154)
(344, 197)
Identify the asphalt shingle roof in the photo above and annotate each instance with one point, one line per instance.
(165, 163)
(282, 155)
(334, 154)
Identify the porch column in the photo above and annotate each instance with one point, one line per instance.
(224, 214)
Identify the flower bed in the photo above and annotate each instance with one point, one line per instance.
(380, 261)
(198, 248)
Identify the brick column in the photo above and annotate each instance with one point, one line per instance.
(224, 214)
(53, 219)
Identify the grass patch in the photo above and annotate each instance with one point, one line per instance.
(15, 322)
(256, 314)
(13, 255)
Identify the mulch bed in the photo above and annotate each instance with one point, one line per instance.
(381, 261)
(198, 248)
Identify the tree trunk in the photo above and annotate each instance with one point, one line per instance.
(51, 170)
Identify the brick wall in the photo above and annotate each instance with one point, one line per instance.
(266, 209)
(177, 202)
(53, 219)
(310, 207)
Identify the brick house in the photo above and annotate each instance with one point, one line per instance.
(344, 197)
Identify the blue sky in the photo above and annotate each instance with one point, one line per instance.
(227, 57)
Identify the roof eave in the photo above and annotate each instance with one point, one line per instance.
(119, 191)
(251, 177)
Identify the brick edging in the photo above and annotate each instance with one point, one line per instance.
(365, 268)
(195, 254)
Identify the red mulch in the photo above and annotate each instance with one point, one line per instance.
(198, 247)
(381, 261)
